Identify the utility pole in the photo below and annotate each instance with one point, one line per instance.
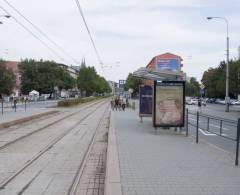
(239, 52)
(227, 99)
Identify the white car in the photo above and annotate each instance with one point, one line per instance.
(237, 102)
(194, 101)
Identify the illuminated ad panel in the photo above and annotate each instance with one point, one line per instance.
(169, 104)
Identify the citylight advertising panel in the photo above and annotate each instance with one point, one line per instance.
(169, 104)
(171, 64)
(145, 103)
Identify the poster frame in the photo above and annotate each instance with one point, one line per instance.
(154, 104)
(141, 114)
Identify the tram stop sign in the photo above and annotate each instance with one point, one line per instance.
(202, 92)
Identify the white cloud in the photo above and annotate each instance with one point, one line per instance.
(131, 32)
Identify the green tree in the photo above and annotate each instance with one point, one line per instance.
(214, 79)
(87, 80)
(133, 83)
(43, 76)
(192, 88)
(7, 80)
(91, 82)
(102, 85)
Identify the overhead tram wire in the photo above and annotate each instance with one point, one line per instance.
(42, 33)
(89, 33)
(35, 36)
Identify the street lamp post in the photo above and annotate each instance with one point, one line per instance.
(227, 64)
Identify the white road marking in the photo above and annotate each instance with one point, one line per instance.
(206, 133)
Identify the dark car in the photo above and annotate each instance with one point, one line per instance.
(211, 100)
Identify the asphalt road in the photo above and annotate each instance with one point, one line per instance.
(211, 133)
(229, 129)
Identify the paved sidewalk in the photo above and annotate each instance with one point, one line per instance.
(167, 163)
(21, 113)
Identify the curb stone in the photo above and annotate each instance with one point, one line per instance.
(25, 119)
(112, 179)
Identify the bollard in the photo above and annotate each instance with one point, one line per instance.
(237, 140)
(25, 106)
(221, 127)
(187, 122)
(208, 119)
(2, 106)
(197, 127)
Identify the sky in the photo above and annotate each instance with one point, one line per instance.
(127, 33)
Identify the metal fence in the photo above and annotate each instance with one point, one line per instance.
(12, 105)
(218, 127)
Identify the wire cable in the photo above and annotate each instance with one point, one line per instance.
(35, 36)
(41, 32)
(89, 33)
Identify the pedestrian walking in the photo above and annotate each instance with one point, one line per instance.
(112, 104)
(116, 103)
(15, 104)
(123, 105)
(120, 105)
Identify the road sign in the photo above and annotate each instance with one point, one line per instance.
(202, 92)
(121, 87)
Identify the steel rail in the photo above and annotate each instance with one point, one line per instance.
(44, 127)
(45, 149)
(73, 188)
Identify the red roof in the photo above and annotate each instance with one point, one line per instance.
(168, 55)
(151, 64)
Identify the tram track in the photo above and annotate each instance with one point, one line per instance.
(17, 127)
(44, 127)
(74, 186)
(42, 151)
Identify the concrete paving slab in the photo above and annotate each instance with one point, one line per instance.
(164, 162)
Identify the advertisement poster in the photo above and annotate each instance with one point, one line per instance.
(169, 104)
(172, 64)
(145, 103)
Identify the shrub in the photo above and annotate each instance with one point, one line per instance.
(74, 102)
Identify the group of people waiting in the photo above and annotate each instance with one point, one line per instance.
(118, 104)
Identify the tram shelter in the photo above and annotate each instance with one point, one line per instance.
(162, 96)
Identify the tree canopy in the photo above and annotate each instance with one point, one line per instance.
(192, 88)
(214, 80)
(133, 83)
(90, 82)
(7, 80)
(43, 76)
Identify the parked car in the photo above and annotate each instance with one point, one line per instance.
(211, 100)
(220, 101)
(189, 102)
(234, 102)
(194, 101)
(204, 102)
